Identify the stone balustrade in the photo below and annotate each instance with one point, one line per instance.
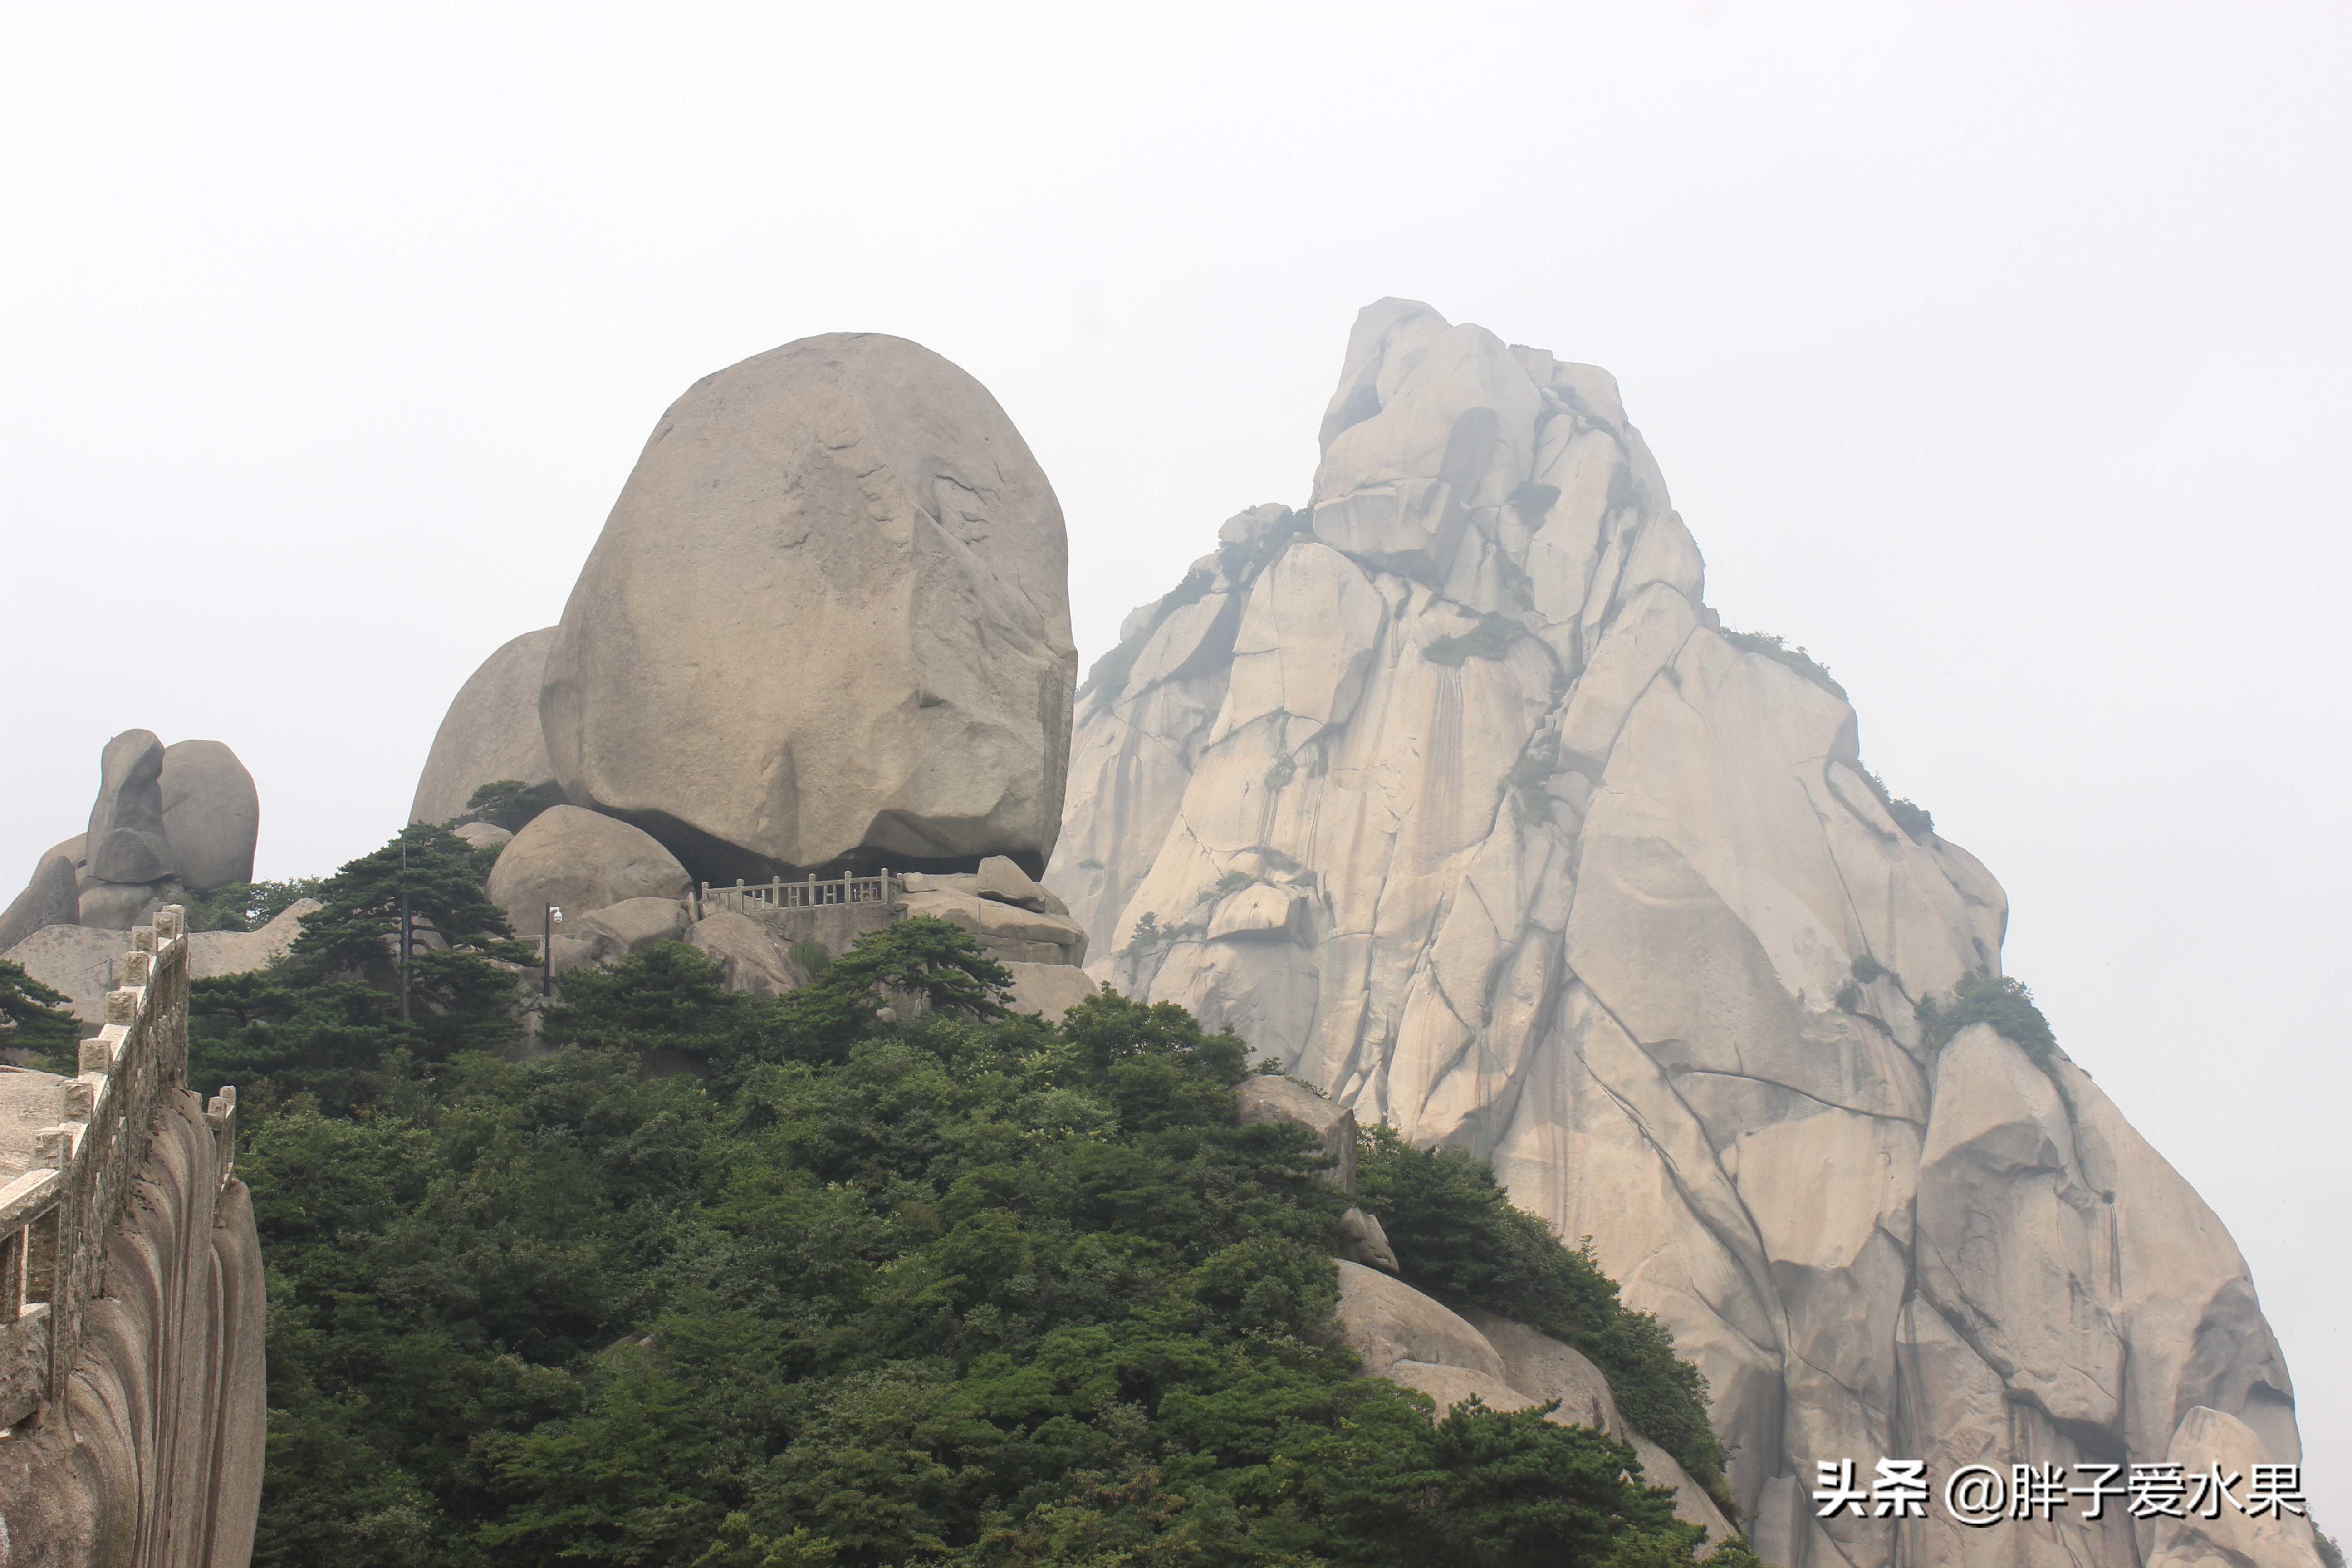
(54, 1218)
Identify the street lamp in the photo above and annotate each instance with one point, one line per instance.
(547, 948)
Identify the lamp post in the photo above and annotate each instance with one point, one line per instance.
(405, 939)
(547, 948)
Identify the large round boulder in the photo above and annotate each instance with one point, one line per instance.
(579, 861)
(490, 733)
(212, 814)
(826, 624)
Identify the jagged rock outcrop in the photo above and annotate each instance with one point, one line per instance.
(490, 733)
(1449, 792)
(50, 898)
(131, 868)
(826, 626)
(212, 814)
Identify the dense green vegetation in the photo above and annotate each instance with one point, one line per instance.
(741, 1283)
(34, 1021)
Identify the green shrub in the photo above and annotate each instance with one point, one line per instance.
(509, 804)
(1459, 1239)
(1867, 970)
(1915, 821)
(1997, 999)
(811, 958)
(1797, 659)
(1533, 501)
(1490, 638)
(38, 1022)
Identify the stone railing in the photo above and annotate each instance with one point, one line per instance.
(55, 1217)
(807, 894)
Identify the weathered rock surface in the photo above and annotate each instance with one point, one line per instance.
(1052, 989)
(633, 925)
(490, 733)
(1476, 821)
(826, 624)
(755, 962)
(2207, 1439)
(50, 898)
(216, 952)
(212, 814)
(579, 860)
(127, 840)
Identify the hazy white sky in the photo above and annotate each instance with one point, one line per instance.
(1995, 352)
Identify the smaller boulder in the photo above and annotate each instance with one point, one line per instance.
(754, 963)
(1265, 1098)
(1386, 1320)
(1366, 1242)
(119, 905)
(75, 849)
(50, 898)
(999, 879)
(212, 814)
(482, 835)
(580, 860)
(1052, 989)
(1545, 1369)
(633, 925)
(126, 841)
(993, 922)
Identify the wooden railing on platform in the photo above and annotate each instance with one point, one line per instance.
(808, 893)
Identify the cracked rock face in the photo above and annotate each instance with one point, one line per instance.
(1450, 791)
(827, 626)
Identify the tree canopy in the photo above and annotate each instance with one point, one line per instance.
(731, 1282)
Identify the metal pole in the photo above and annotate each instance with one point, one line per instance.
(405, 939)
(547, 951)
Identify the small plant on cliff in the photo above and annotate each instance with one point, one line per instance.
(509, 804)
(1777, 649)
(1914, 820)
(1490, 638)
(1533, 501)
(1999, 1000)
